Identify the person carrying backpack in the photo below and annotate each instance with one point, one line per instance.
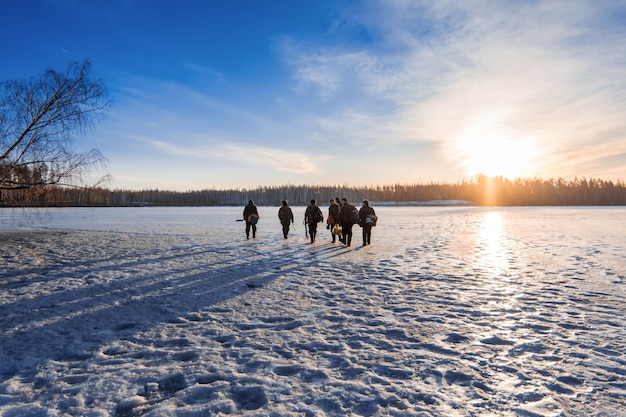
(349, 216)
(367, 220)
(313, 216)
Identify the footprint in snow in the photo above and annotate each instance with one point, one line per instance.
(495, 340)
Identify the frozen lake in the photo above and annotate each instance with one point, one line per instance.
(451, 311)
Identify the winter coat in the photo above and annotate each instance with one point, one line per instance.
(309, 214)
(363, 212)
(285, 215)
(344, 214)
(248, 210)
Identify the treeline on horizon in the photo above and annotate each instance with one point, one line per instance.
(483, 191)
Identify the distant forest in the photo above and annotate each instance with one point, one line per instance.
(483, 190)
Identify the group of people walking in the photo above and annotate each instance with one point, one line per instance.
(342, 216)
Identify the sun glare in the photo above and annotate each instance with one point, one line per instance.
(494, 151)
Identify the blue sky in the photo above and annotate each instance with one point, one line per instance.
(247, 93)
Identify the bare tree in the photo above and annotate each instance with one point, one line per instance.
(40, 120)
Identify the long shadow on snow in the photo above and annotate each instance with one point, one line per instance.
(12, 278)
(76, 270)
(75, 324)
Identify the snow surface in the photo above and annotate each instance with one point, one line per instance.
(451, 311)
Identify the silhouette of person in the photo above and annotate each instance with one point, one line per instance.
(346, 221)
(333, 217)
(367, 219)
(285, 215)
(312, 216)
(250, 216)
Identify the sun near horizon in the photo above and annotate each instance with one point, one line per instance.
(494, 150)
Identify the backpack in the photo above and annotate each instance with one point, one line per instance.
(354, 216)
(317, 215)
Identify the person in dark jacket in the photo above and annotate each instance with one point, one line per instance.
(367, 219)
(333, 216)
(285, 215)
(346, 221)
(312, 216)
(250, 216)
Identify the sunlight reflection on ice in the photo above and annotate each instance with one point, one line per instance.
(491, 240)
(492, 261)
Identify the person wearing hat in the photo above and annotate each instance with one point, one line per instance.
(367, 220)
(285, 215)
(312, 216)
(250, 216)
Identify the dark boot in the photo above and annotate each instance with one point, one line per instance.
(349, 237)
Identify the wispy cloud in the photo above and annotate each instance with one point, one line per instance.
(268, 158)
(546, 73)
(417, 90)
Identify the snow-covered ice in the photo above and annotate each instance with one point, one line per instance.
(451, 311)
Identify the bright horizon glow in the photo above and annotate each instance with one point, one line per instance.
(489, 149)
(244, 94)
(493, 157)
